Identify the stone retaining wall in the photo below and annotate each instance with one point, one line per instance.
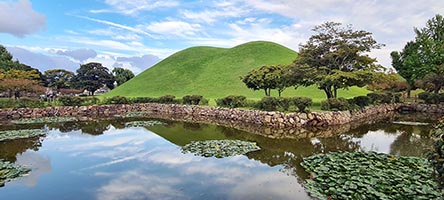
(254, 117)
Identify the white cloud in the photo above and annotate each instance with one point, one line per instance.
(135, 6)
(174, 27)
(19, 19)
(219, 11)
(136, 64)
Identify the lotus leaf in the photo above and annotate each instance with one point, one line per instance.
(43, 120)
(9, 171)
(143, 123)
(20, 134)
(219, 148)
(370, 175)
(133, 114)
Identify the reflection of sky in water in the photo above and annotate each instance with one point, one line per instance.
(134, 163)
(377, 141)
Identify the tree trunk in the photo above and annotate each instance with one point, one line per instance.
(409, 91)
(437, 88)
(279, 93)
(335, 92)
(327, 91)
(266, 93)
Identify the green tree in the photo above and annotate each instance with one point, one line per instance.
(430, 52)
(122, 75)
(92, 76)
(406, 63)
(337, 53)
(266, 78)
(58, 78)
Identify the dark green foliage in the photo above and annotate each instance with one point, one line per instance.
(301, 103)
(361, 175)
(192, 99)
(270, 103)
(93, 76)
(70, 100)
(58, 78)
(122, 75)
(431, 98)
(86, 101)
(116, 100)
(381, 97)
(22, 103)
(232, 101)
(144, 100)
(336, 104)
(167, 99)
(362, 101)
(436, 156)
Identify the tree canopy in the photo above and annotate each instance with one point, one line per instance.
(337, 53)
(92, 76)
(267, 78)
(58, 78)
(122, 75)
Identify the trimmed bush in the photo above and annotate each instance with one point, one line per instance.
(232, 101)
(143, 100)
(336, 104)
(167, 99)
(269, 103)
(301, 103)
(70, 100)
(26, 102)
(86, 101)
(117, 100)
(203, 102)
(192, 99)
(362, 101)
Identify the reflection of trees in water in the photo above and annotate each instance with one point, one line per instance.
(10, 149)
(411, 144)
(193, 126)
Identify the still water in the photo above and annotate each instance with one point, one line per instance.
(104, 160)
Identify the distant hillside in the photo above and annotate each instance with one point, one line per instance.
(213, 73)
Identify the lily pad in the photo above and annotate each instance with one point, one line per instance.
(219, 148)
(42, 120)
(370, 175)
(133, 114)
(143, 123)
(9, 171)
(20, 134)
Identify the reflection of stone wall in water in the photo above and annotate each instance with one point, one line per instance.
(278, 123)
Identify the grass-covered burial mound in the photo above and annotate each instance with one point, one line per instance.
(219, 148)
(361, 175)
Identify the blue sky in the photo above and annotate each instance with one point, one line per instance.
(136, 34)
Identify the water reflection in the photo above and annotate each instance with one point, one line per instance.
(104, 160)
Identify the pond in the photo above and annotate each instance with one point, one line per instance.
(103, 159)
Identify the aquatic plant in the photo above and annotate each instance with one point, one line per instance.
(42, 120)
(20, 134)
(143, 123)
(219, 148)
(133, 114)
(9, 171)
(437, 153)
(361, 175)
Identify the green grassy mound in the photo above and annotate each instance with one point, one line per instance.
(361, 175)
(215, 73)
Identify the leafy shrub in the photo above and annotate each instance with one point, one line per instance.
(301, 103)
(203, 101)
(269, 103)
(167, 99)
(362, 101)
(26, 102)
(90, 101)
(70, 100)
(431, 98)
(436, 156)
(143, 100)
(232, 101)
(336, 104)
(117, 100)
(192, 99)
